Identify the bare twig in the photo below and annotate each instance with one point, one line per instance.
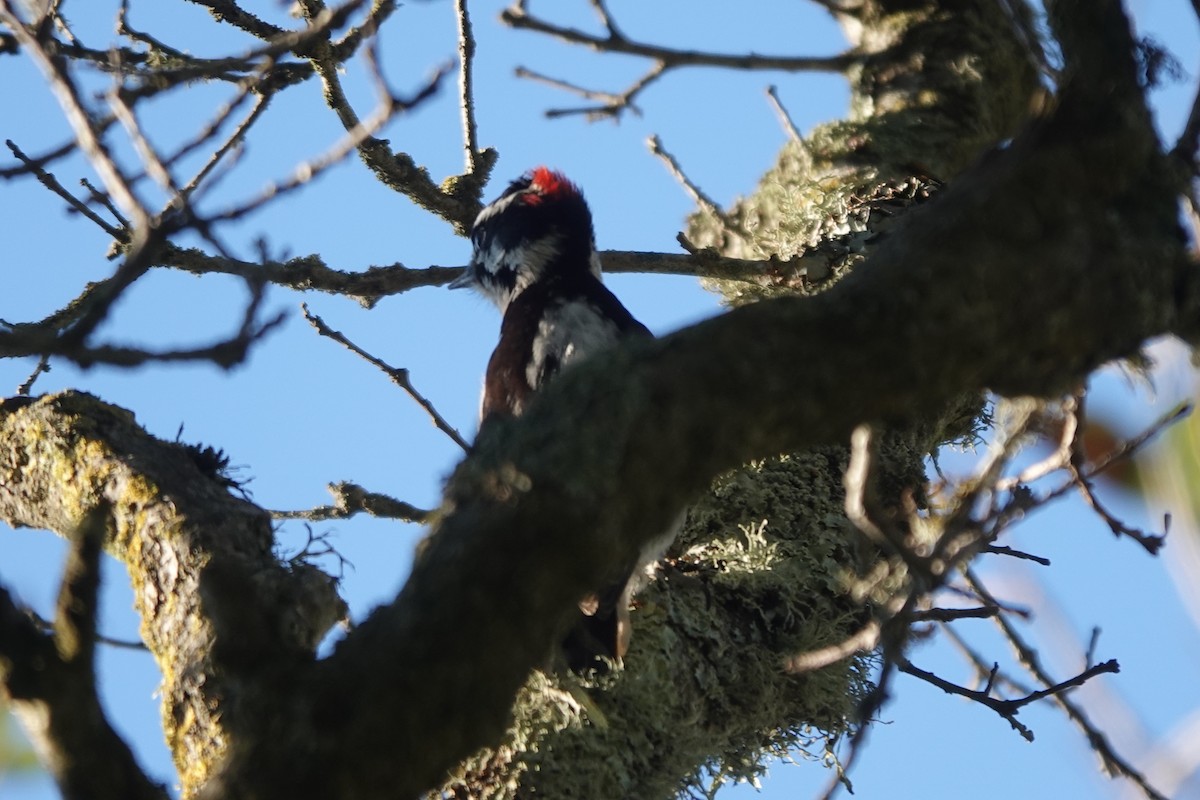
(350, 499)
(103, 199)
(75, 614)
(48, 180)
(1131, 446)
(785, 119)
(395, 169)
(235, 138)
(951, 614)
(1081, 475)
(860, 502)
(355, 137)
(984, 671)
(26, 386)
(127, 30)
(1008, 551)
(29, 164)
(697, 194)
(1113, 763)
(147, 153)
(1061, 457)
(309, 273)
(47, 626)
(42, 338)
(397, 376)
(865, 639)
(1009, 708)
(611, 105)
(466, 92)
(230, 12)
(614, 42)
(86, 131)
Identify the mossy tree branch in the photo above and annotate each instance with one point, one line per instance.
(194, 552)
(1088, 202)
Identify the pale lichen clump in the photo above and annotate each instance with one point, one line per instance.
(767, 538)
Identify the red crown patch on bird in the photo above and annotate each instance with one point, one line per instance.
(549, 183)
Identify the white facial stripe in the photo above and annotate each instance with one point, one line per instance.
(495, 208)
(525, 263)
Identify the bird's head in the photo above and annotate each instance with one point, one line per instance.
(540, 228)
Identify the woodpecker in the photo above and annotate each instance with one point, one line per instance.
(534, 255)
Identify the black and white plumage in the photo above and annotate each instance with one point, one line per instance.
(534, 255)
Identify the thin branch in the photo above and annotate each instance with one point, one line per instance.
(983, 670)
(230, 12)
(235, 138)
(1008, 708)
(894, 637)
(1082, 474)
(86, 132)
(76, 611)
(347, 46)
(1079, 479)
(1131, 446)
(350, 499)
(47, 626)
(466, 91)
(1112, 762)
(26, 386)
(612, 105)
(355, 138)
(1002, 550)
(147, 153)
(951, 614)
(605, 18)
(39, 338)
(48, 180)
(1061, 457)
(128, 31)
(49, 679)
(30, 164)
(515, 16)
(458, 203)
(867, 638)
(1152, 542)
(103, 199)
(397, 376)
(309, 273)
(1008, 608)
(697, 194)
(785, 119)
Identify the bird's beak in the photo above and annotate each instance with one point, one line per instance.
(465, 279)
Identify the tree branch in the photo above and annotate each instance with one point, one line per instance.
(398, 376)
(220, 613)
(935, 301)
(665, 59)
(50, 682)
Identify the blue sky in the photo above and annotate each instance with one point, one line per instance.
(303, 412)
